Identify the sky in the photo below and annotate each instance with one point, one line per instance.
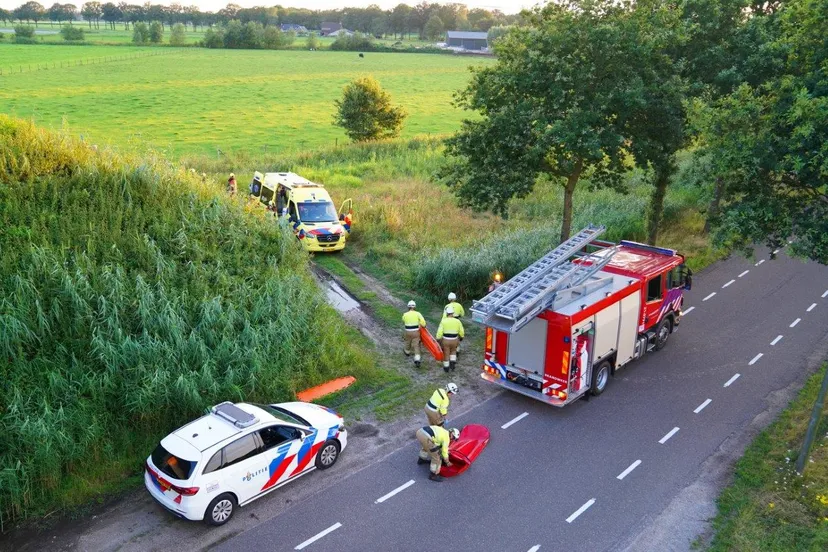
(506, 6)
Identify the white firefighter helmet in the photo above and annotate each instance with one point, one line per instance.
(452, 296)
(451, 388)
(450, 310)
(455, 433)
(411, 304)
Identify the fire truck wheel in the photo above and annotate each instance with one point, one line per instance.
(662, 333)
(600, 377)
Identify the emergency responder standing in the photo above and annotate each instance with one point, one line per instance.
(232, 187)
(449, 335)
(458, 310)
(434, 441)
(413, 321)
(436, 408)
(496, 282)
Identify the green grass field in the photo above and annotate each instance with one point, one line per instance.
(198, 100)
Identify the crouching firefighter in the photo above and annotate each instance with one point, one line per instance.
(434, 441)
(449, 334)
(436, 408)
(413, 321)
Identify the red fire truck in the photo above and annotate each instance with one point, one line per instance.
(561, 327)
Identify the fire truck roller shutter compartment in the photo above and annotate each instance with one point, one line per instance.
(606, 331)
(527, 347)
(627, 334)
(582, 356)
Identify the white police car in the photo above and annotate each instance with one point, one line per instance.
(238, 453)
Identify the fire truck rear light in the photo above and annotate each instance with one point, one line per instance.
(562, 395)
(489, 334)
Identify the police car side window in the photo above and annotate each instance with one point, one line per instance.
(214, 463)
(240, 450)
(274, 436)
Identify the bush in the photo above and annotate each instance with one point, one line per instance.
(178, 35)
(156, 32)
(357, 42)
(213, 38)
(24, 31)
(312, 42)
(140, 33)
(134, 296)
(273, 38)
(366, 113)
(70, 32)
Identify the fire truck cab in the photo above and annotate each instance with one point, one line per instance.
(560, 328)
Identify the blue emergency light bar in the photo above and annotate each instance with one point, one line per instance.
(650, 248)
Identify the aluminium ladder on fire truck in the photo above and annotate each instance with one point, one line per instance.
(550, 279)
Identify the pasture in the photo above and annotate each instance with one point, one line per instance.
(199, 101)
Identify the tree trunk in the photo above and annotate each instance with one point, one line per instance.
(713, 210)
(661, 180)
(569, 191)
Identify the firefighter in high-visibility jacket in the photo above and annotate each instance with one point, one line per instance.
(436, 408)
(434, 441)
(459, 312)
(412, 321)
(449, 335)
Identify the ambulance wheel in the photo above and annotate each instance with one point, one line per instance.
(662, 333)
(328, 456)
(600, 377)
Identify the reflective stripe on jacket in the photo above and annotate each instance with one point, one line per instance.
(413, 320)
(439, 402)
(450, 328)
(441, 439)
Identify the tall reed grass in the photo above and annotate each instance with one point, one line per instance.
(132, 297)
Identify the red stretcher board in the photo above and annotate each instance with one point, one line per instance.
(465, 450)
(431, 344)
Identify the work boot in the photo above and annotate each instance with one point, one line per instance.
(417, 363)
(452, 365)
(407, 353)
(420, 461)
(435, 477)
(446, 369)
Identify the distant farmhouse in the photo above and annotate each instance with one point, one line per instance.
(467, 40)
(298, 29)
(340, 32)
(328, 28)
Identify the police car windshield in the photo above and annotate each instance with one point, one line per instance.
(317, 212)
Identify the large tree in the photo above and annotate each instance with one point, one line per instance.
(559, 104)
(92, 12)
(30, 11)
(366, 113)
(768, 139)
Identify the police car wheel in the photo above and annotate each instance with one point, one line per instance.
(328, 456)
(600, 377)
(220, 510)
(662, 333)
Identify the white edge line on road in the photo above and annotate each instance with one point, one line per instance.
(727, 284)
(824, 295)
(688, 310)
(399, 489)
(731, 380)
(514, 420)
(756, 358)
(743, 273)
(795, 322)
(626, 472)
(318, 536)
(580, 510)
(812, 307)
(760, 262)
(774, 252)
(669, 434)
(709, 296)
(535, 548)
(775, 341)
(702, 406)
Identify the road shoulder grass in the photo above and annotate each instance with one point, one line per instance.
(768, 507)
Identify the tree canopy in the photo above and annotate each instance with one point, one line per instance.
(366, 113)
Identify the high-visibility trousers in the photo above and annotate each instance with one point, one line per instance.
(450, 350)
(429, 451)
(434, 417)
(412, 342)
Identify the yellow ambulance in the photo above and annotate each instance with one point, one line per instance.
(308, 209)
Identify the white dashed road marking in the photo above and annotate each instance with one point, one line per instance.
(731, 380)
(774, 252)
(535, 548)
(399, 489)
(795, 322)
(754, 359)
(514, 420)
(580, 510)
(760, 262)
(318, 536)
(626, 472)
(709, 296)
(727, 284)
(743, 273)
(687, 311)
(812, 307)
(775, 341)
(702, 406)
(669, 434)
(824, 295)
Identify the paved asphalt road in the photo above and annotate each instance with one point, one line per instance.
(550, 480)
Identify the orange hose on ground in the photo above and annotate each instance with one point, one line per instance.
(338, 384)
